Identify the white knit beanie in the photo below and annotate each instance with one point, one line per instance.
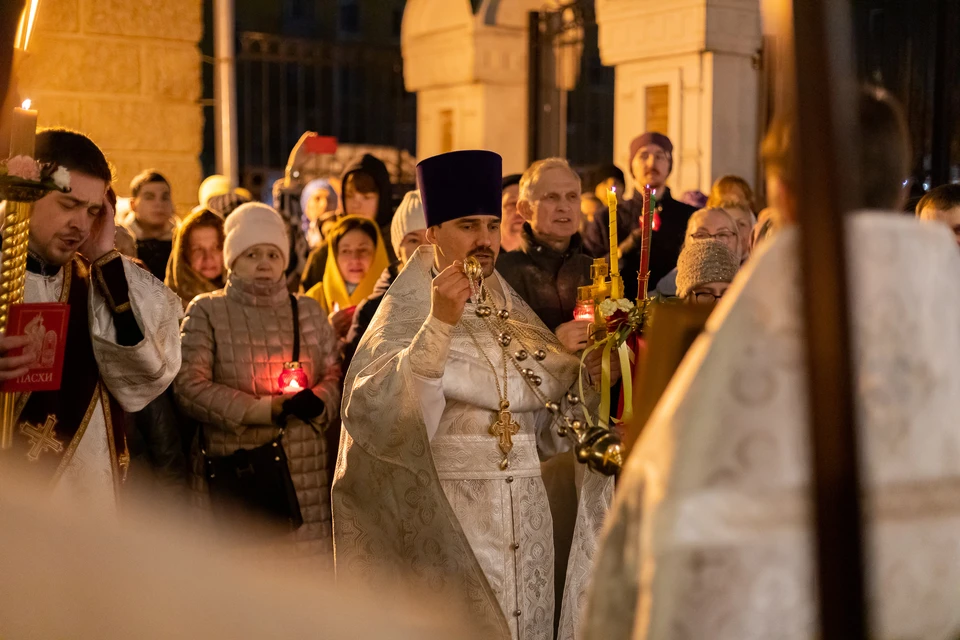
(409, 217)
(252, 224)
(702, 262)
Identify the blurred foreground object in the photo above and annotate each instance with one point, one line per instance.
(149, 579)
(713, 513)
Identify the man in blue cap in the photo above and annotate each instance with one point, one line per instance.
(446, 419)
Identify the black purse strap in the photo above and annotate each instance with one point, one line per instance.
(296, 327)
(296, 358)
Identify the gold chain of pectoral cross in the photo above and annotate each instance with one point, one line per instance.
(504, 428)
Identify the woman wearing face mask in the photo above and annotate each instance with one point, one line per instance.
(236, 343)
(196, 263)
(353, 266)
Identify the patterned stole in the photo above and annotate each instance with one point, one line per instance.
(50, 424)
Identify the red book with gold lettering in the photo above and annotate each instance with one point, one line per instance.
(46, 326)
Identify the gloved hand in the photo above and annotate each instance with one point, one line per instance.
(305, 405)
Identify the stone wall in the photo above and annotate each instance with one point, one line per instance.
(128, 75)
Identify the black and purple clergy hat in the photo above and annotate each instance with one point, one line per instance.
(460, 184)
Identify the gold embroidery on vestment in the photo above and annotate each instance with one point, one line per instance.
(42, 438)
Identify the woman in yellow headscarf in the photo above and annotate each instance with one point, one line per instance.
(353, 267)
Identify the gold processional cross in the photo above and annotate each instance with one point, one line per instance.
(41, 439)
(504, 429)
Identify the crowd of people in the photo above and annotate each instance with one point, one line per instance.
(352, 246)
(242, 329)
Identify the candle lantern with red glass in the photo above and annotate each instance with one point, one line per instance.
(293, 378)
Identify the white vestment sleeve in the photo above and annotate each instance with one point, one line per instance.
(432, 402)
(138, 374)
(428, 358)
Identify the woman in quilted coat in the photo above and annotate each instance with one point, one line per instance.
(235, 344)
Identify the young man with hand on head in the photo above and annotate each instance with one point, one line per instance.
(123, 335)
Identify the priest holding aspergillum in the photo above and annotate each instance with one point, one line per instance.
(453, 399)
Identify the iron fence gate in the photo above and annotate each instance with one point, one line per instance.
(286, 86)
(571, 92)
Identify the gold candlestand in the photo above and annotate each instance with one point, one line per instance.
(19, 196)
(14, 231)
(596, 293)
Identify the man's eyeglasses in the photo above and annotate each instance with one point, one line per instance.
(706, 297)
(722, 236)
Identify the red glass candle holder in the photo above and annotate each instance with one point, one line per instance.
(293, 378)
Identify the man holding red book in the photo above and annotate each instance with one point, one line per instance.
(122, 337)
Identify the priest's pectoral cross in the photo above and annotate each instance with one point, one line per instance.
(504, 429)
(41, 438)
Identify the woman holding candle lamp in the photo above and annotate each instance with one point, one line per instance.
(242, 379)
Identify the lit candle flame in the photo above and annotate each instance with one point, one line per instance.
(293, 385)
(27, 103)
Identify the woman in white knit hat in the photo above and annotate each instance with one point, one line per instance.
(257, 359)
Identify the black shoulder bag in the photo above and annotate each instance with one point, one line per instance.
(256, 482)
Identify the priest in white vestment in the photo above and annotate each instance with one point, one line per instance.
(711, 535)
(122, 343)
(428, 489)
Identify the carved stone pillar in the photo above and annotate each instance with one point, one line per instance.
(688, 69)
(470, 75)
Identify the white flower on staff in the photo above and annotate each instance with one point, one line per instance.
(61, 177)
(609, 306)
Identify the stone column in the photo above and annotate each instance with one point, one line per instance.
(127, 74)
(470, 75)
(687, 66)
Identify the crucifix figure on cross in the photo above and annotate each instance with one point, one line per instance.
(504, 429)
(41, 439)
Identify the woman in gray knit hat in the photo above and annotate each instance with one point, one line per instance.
(704, 270)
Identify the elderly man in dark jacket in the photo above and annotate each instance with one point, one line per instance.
(550, 264)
